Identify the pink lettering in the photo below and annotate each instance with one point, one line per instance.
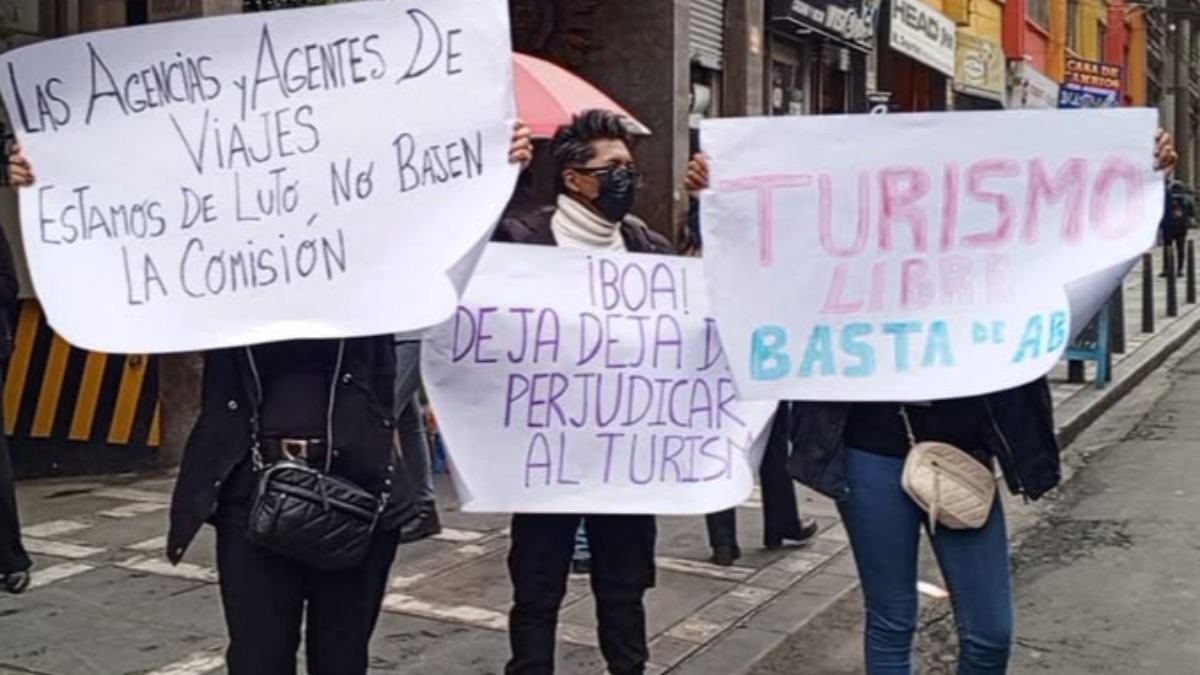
(995, 273)
(1113, 170)
(955, 277)
(877, 286)
(949, 206)
(1069, 183)
(977, 174)
(916, 291)
(901, 190)
(863, 228)
(834, 302)
(764, 187)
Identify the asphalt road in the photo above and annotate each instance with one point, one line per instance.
(1107, 570)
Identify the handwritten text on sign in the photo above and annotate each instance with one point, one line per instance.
(917, 256)
(265, 176)
(595, 384)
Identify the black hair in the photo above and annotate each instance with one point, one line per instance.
(572, 143)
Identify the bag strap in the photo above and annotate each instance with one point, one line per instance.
(908, 427)
(253, 385)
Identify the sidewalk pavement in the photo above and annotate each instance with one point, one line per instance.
(106, 602)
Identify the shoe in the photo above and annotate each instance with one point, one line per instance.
(16, 583)
(808, 529)
(581, 566)
(427, 524)
(725, 556)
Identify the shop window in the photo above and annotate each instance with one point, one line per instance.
(1073, 25)
(1039, 12)
(787, 88)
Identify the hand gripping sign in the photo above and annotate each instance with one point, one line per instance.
(918, 257)
(578, 383)
(305, 173)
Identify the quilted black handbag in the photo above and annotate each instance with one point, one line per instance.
(323, 521)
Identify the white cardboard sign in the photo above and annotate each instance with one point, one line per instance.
(590, 383)
(917, 257)
(305, 173)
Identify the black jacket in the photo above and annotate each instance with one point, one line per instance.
(534, 228)
(363, 431)
(1018, 432)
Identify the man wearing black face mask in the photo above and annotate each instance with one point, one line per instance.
(597, 183)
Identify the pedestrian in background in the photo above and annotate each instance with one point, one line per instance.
(319, 404)
(1178, 213)
(855, 454)
(596, 181)
(14, 561)
(781, 512)
(414, 442)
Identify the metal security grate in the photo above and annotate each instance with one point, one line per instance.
(706, 33)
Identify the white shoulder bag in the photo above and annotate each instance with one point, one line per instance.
(953, 487)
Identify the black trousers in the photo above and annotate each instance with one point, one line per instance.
(622, 570)
(267, 598)
(1178, 240)
(13, 557)
(781, 513)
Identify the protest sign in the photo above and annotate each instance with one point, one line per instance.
(579, 383)
(304, 173)
(917, 257)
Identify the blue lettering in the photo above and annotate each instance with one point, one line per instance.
(1058, 331)
(863, 351)
(937, 347)
(818, 352)
(768, 361)
(900, 332)
(1031, 342)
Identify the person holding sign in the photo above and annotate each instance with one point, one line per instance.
(311, 412)
(597, 183)
(861, 453)
(14, 560)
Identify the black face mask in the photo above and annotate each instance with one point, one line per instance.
(618, 188)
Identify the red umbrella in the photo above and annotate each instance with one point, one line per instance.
(547, 96)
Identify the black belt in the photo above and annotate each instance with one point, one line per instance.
(310, 450)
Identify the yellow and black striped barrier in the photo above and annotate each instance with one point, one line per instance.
(70, 411)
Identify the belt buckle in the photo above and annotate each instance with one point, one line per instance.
(295, 450)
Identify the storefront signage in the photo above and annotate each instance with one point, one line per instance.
(923, 33)
(1029, 88)
(850, 20)
(979, 67)
(1088, 84)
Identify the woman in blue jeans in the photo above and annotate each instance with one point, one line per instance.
(854, 453)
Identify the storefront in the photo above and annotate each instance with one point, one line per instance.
(817, 52)
(1088, 84)
(1030, 88)
(979, 73)
(706, 48)
(918, 65)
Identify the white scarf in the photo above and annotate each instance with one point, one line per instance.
(576, 226)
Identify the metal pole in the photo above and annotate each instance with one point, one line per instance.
(1182, 95)
(1147, 293)
(1172, 287)
(1191, 272)
(1118, 319)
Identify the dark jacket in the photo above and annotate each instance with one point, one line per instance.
(10, 289)
(363, 435)
(534, 228)
(1018, 432)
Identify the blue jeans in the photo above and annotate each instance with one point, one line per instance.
(884, 526)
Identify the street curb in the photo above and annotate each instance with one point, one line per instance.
(1081, 410)
(1077, 413)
